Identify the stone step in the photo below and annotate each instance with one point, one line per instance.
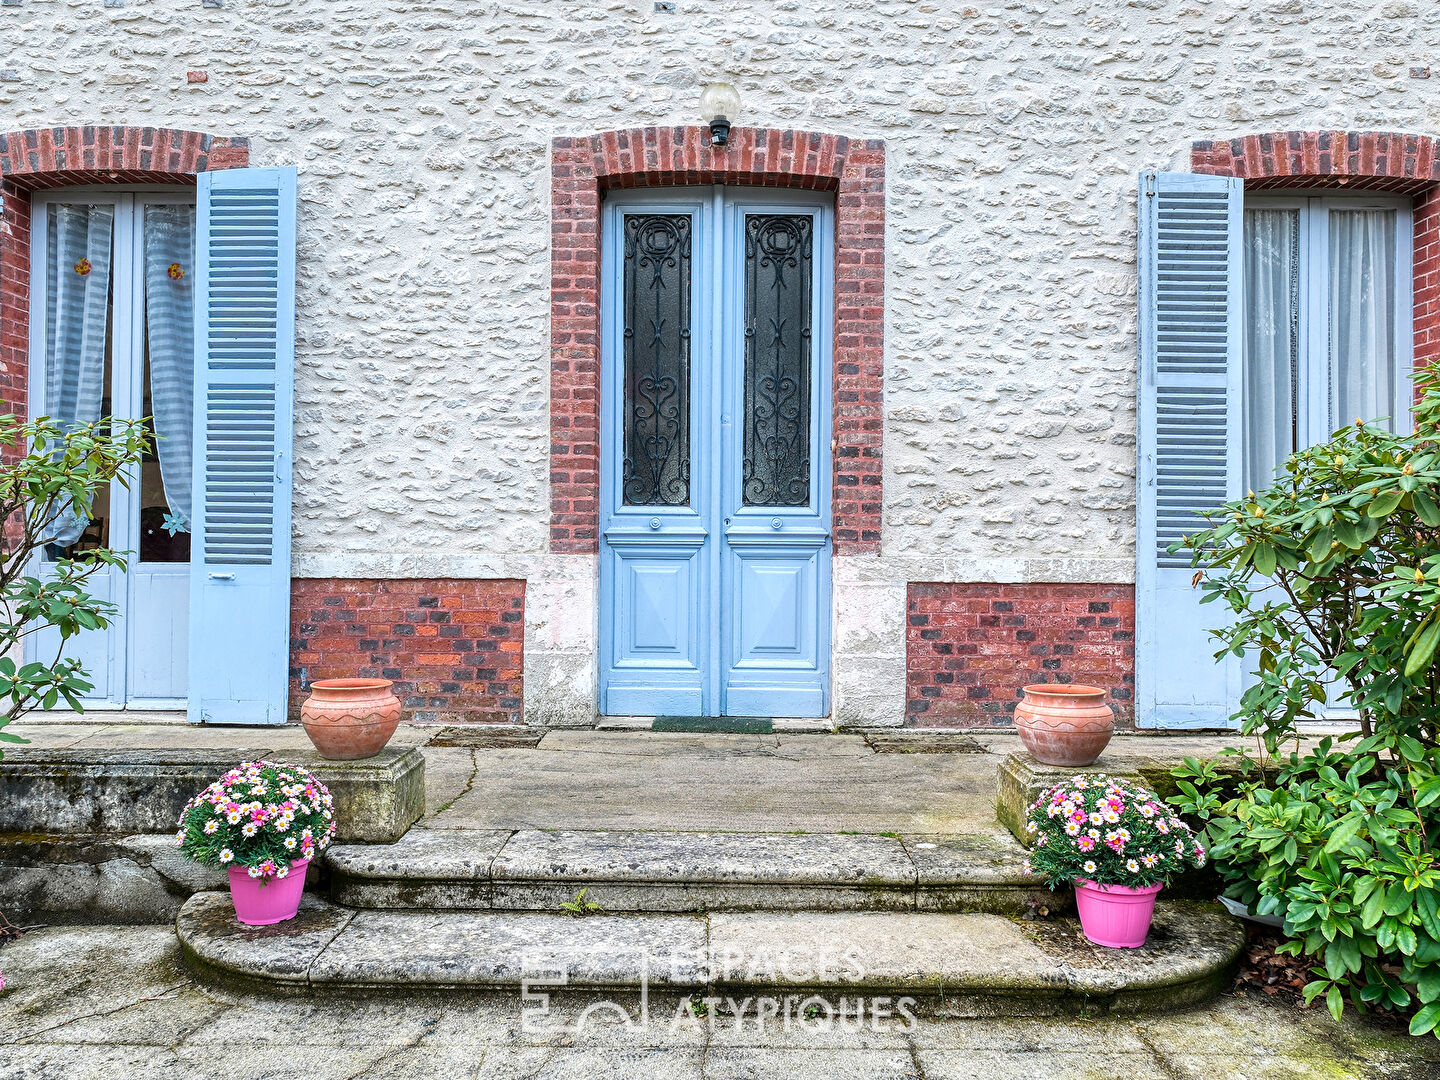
(970, 964)
(623, 871)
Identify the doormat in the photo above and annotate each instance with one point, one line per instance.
(723, 725)
(924, 744)
(479, 738)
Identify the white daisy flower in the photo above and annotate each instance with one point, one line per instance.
(212, 826)
(226, 855)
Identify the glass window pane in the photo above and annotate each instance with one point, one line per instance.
(656, 316)
(1272, 341)
(778, 257)
(78, 321)
(1362, 315)
(169, 381)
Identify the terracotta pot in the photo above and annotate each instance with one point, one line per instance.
(1063, 724)
(348, 719)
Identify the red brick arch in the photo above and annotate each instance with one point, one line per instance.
(66, 157)
(583, 168)
(1364, 160)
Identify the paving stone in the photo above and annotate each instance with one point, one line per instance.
(1088, 1063)
(734, 783)
(547, 1063)
(486, 949)
(731, 1064)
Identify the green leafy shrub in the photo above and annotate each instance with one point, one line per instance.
(47, 469)
(1331, 580)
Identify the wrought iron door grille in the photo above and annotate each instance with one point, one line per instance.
(778, 270)
(657, 360)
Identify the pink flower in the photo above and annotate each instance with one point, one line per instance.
(1085, 843)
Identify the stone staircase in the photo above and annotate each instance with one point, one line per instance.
(950, 920)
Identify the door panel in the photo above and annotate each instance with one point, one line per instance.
(715, 585)
(159, 636)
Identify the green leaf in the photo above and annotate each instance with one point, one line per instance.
(1384, 505)
(1264, 560)
(1427, 509)
(1336, 1004)
(1346, 831)
(1425, 1020)
(1424, 651)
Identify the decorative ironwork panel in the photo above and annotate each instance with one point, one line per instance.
(778, 271)
(657, 360)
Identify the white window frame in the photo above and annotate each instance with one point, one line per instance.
(127, 394)
(1313, 422)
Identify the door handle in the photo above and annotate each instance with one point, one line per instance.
(222, 577)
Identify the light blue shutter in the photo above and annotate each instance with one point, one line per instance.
(1189, 436)
(244, 381)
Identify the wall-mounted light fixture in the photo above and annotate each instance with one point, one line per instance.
(719, 105)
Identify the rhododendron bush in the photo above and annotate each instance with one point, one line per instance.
(261, 816)
(1111, 832)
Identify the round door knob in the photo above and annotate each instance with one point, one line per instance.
(774, 523)
(654, 523)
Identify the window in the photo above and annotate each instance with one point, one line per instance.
(1326, 316)
(118, 339)
(113, 334)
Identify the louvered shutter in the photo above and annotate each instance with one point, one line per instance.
(1189, 436)
(244, 382)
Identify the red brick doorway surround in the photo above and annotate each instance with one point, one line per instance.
(1358, 160)
(68, 157)
(583, 168)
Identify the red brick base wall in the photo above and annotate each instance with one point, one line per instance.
(969, 648)
(455, 647)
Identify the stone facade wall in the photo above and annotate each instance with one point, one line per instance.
(1013, 138)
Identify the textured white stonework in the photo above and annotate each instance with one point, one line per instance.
(1014, 134)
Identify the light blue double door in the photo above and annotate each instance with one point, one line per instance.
(715, 453)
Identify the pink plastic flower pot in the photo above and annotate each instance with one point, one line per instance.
(1115, 916)
(263, 901)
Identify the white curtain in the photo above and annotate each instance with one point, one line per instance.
(77, 287)
(1272, 247)
(1362, 315)
(170, 336)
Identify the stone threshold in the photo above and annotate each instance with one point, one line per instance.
(979, 964)
(537, 870)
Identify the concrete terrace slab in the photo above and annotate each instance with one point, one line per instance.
(731, 783)
(977, 964)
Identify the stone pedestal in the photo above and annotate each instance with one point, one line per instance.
(123, 792)
(1022, 779)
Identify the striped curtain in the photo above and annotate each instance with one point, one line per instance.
(170, 337)
(77, 291)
